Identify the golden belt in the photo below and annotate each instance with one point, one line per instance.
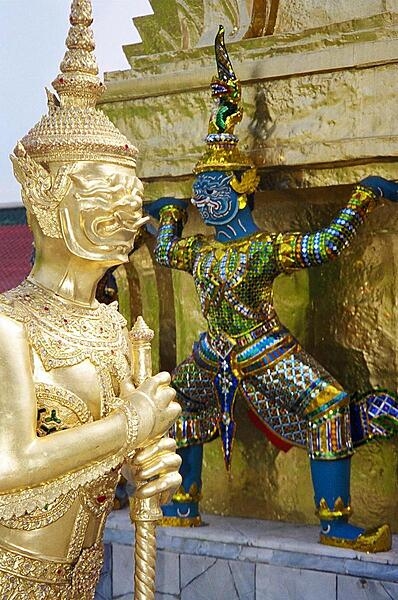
(60, 580)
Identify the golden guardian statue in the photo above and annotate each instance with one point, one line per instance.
(71, 416)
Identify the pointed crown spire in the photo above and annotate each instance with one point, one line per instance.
(74, 129)
(78, 83)
(222, 151)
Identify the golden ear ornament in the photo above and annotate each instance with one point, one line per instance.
(41, 191)
(248, 182)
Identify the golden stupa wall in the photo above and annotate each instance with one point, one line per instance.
(319, 88)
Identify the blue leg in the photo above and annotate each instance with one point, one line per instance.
(331, 481)
(183, 510)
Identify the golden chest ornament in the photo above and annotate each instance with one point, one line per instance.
(64, 335)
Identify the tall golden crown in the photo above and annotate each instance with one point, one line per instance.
(74, 129)
(222, 152)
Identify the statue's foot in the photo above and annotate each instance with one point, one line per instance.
(181, 514)
(343, 535)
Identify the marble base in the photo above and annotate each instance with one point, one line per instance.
(246, 559)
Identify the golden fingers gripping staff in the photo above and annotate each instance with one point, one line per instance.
(71, 416)
(156, 474)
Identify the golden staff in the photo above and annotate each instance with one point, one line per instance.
(144, 512)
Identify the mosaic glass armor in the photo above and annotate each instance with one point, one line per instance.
(246, 349)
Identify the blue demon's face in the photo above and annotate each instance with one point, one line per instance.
(214, 198)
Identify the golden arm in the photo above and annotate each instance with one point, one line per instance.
(27, 460)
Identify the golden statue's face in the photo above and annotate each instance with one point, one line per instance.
(101, 212)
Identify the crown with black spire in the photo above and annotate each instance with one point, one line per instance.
(222, 151)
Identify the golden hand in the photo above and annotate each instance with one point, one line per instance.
(155, 470)
(154, 403)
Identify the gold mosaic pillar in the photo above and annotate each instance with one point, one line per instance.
(319, 90)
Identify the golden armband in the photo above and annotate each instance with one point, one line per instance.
(132, 428)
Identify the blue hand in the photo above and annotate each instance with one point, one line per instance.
(153, 208)
(382, 187)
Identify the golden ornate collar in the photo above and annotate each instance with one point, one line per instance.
(62, 332)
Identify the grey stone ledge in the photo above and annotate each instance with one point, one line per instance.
(261, 542)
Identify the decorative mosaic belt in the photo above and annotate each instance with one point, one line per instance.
(251, 352)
